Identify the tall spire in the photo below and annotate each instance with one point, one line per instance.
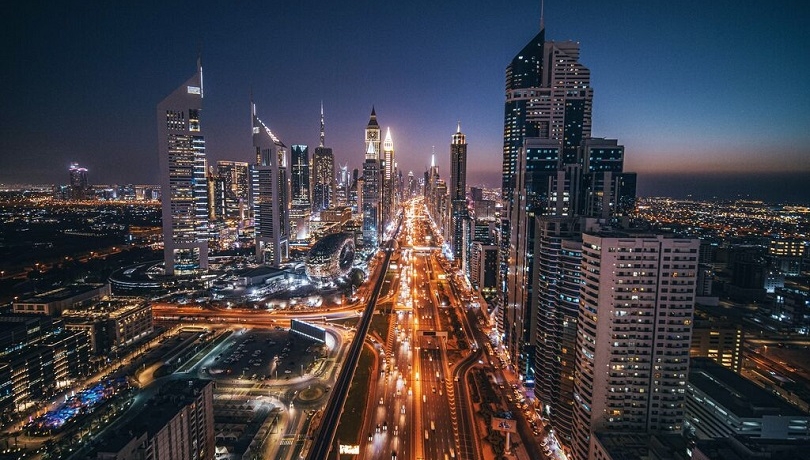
(388, 144)
(542, 12)
(322, 130)
(433, 157)
(458, 130)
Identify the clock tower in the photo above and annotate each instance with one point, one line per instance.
(373, 137)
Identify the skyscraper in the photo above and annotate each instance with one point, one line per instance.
(269, 195)
(558, 255)
(389, 179)
(78, 182)
(300, 180)
(301, 206)
(632, 351)
(181, 150)
(458, 196)
(231, 190)
(371, 183)
(323, 182)
(554, 176)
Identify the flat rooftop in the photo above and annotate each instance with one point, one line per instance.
(740, 396)
(62, 293)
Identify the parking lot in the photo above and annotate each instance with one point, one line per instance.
(263, 354)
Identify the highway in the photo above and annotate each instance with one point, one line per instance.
(325, 433)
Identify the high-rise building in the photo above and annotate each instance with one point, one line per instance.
(343, 185)
(269, 195)
(484, 269)
(558, 254)
(323, 180)
(372, 182)
(178, 422)
(181, 150)
(458, 196)
(301, 206)
(299, 179)
(323, 184)
(231, 182)
(548, 96)
(389, 179)
(78, 182)
(633, 334)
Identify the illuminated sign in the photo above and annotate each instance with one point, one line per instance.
(504, 425)
(349, 449)
(194, 90)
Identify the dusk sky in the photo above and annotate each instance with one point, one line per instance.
(687, 86)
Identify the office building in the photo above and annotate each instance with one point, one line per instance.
(372, 183)
(323, 178)
(343, 186)
(53, 302)
(389, 179)
(38, 357)
(299, 178)
(300, 188)
(720, 403)
(548, 96)
(78, 182)
(112, 323)
(184, 190)
(718, 339)
(458, 195)
(484, 269)
(269, 195)
(633, 334)
(231, 184)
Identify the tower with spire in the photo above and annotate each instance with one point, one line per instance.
(388, 179)
(372, 184)
(372, 137)
(181, 152)
(323, 182)
(459, 219)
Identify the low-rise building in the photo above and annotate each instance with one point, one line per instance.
(37, 358)
(720, 403)
(112, 322)
(53, 302)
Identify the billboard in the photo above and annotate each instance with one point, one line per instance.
(309, 331)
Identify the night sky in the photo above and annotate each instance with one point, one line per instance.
(687, 86)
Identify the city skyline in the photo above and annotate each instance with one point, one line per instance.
(423, 74)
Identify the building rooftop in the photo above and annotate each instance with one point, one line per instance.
(739, 448)
(62, 293)
(638, 446)
(735, 393)
(109, 307)
(172, 397)
(261, 271)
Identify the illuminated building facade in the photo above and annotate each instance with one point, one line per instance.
(633, 334)
(181, 149)
(78, 182)
(231, 185)
(300, 190)
(459, 216)
(372, 183)
(389, 188)
(323, 181)
(269, 195)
